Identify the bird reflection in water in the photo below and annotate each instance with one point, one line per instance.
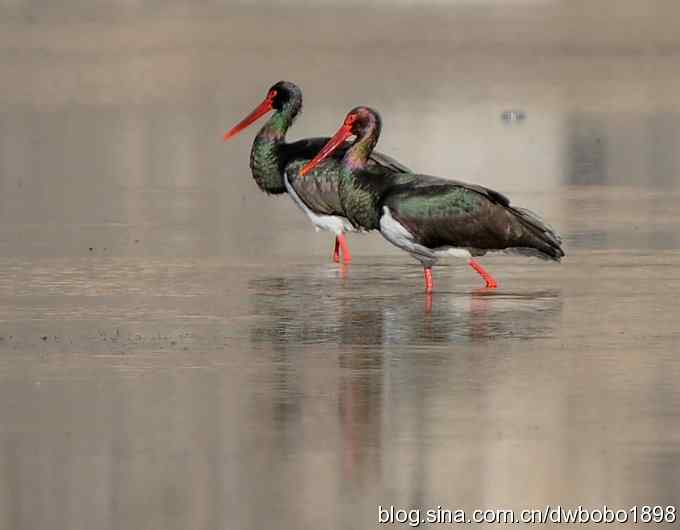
(301, 309)
(372, 340)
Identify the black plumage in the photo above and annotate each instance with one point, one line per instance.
(429, 216)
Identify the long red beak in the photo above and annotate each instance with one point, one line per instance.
(259, 111)
(327, 150)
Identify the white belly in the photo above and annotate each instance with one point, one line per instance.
(455, 252)
(330, 223)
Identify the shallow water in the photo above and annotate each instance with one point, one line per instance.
(178, 351)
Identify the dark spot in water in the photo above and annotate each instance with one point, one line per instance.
(91, 249)
(44, 337)
(510, 116)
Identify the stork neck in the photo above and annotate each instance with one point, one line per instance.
(359, 200)
(266, 163)
(356, 157)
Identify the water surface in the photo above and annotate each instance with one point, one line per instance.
(178, 351)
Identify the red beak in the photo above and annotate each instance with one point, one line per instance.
(327, 150)
(259, 111)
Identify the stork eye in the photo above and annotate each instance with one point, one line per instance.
(272, 94)
(351, 119)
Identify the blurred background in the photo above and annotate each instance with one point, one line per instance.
(177, 350)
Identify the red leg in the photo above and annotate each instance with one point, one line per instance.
(490, 282)
(429, 284)
(428, 303)
(346, 257)
(336, 251)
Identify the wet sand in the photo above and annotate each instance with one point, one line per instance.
(178, 351)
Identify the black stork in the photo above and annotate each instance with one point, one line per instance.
(430, 217)
(275, 164)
